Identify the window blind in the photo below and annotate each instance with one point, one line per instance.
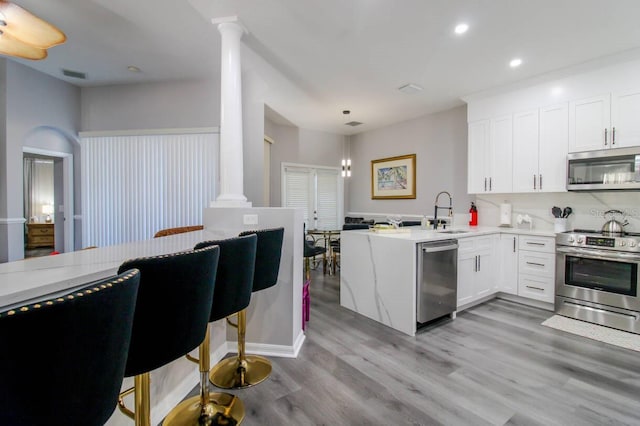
(133, 186)
(317, 191)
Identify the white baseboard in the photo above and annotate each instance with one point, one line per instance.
(279, 351)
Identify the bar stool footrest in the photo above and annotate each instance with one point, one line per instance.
(224, 409)
(227, 374)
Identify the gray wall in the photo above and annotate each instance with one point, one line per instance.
(35, 104)
(302, 146)
(440, 144)
(166, 105)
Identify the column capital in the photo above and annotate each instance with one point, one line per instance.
(233, 21)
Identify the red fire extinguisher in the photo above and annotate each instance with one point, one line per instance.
(473, 215)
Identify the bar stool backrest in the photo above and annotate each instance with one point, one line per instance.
(62, 360)
(173, 308)
(268, 255)
(234, 280)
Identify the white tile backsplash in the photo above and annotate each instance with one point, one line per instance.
(588, 208)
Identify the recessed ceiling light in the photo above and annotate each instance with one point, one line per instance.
(461, 28)
(516, 62)
(556, 91)
(133, 68)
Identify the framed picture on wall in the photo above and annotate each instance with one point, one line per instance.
(393, 178)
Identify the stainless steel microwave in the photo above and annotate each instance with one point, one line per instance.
(617, 168)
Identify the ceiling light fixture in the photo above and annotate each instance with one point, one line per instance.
(346, 162)
(133, 68)
(515, 62)
(461, 28)
(24, 35)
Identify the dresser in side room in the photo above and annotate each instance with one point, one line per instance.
(40, 235)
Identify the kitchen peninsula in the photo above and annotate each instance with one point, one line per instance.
(379, 270)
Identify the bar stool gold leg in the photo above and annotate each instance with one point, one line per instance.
(141, 400)
(208, 408)
(243, 370)
(142, 397)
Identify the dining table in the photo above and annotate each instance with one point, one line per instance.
(325, 236)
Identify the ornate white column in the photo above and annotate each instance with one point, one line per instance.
(231, 142)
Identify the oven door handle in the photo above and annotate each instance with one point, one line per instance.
(599, 254)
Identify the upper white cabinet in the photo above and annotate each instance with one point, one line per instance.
(540, 149)
(478, 154)
(625, 126)
(553, 146)
(490, 155)
(526, 152)
(606, 121)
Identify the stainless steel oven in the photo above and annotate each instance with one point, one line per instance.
(597, 279)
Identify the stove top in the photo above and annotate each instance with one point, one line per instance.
(590, 238)
(596, 232)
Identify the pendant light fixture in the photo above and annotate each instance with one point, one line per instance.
(346, 162)
(24, 35)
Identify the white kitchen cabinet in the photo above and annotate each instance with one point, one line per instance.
(476, 268)
(605, 121)
(625, 126)
(478, 156)
(507, 257)
(536, 268)
(553, 147)
(525, 151)
(490, 155)
(540, 144)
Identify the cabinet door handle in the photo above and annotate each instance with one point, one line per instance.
(535, 288)
(540, 179)
(485, 184)
(534, 244)
(514, 244)
(536, 264)
(613, 136)
(475, 263)
(478, 263)
(534, 182)
(489, 184)
(605, 136)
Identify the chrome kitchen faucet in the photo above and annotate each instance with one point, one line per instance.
(450, 208)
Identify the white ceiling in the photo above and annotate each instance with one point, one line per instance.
(344, 54)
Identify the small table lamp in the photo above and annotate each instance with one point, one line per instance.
(48, 210)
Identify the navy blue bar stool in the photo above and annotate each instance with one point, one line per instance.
(247, 370)
(232, 294)
(81, 341)
(171, 317)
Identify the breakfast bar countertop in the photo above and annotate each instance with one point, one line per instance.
(26, 281)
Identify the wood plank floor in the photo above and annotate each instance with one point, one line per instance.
(493, 365)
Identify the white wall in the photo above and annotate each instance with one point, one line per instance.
(166, 105)
(588, 208)
(440, 144)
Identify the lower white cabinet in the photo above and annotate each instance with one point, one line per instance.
(507, 251)
(536, 268)
(476, 268)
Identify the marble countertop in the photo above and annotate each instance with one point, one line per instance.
(418, 235)
(29, 280)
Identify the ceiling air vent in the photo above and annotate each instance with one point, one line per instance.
(74, 74)
(353, 123)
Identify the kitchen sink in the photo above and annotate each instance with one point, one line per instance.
(452, 231)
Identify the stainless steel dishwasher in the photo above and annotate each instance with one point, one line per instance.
(437, 280)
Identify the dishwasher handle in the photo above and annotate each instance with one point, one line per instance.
(433, 248)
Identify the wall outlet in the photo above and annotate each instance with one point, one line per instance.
(250, 219)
